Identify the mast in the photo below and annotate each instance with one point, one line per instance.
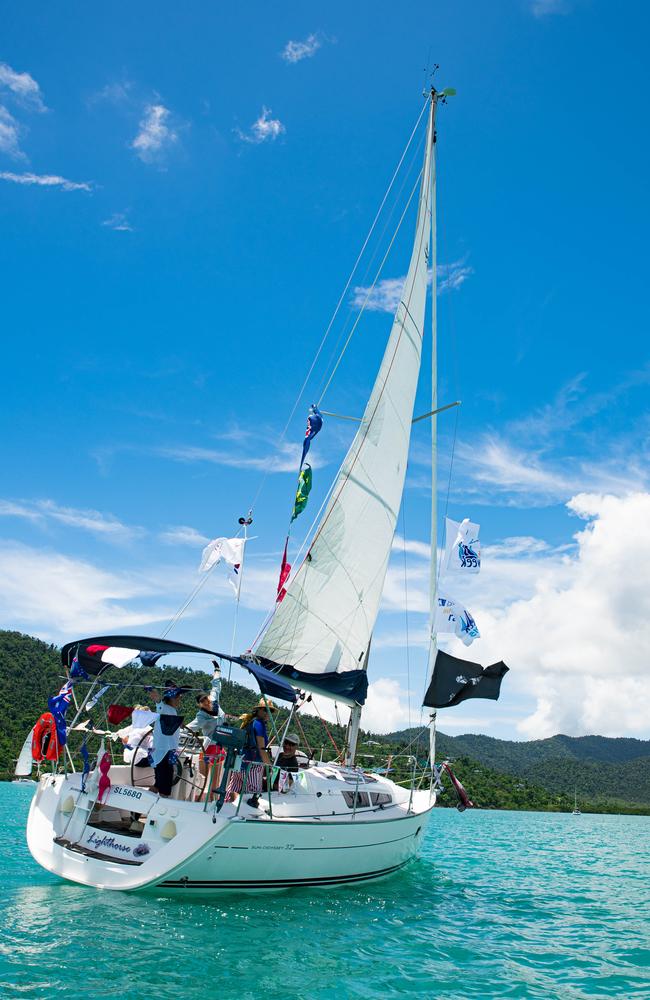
(433, 577)
(355, 714)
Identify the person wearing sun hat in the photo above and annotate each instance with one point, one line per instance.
(255, 754)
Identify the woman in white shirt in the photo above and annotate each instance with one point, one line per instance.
(137, 737)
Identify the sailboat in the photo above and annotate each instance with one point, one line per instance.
(337, 823)
(576, 811)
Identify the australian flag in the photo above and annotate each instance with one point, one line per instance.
(58, 706)
(76, 670)
(455, 680)
(314, 424)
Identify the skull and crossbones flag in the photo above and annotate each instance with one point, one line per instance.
(454, 680)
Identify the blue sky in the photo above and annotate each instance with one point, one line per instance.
(183, 194)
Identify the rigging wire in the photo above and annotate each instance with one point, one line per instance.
(199, 586)
(302, 733)
(451, 467)
(371, 289)
(272, 610)
(183, 608)
(454, 365)
(455, 381)
(201, 583)
(380, 239)
(406, 614)
(326, 728)
(339, 304)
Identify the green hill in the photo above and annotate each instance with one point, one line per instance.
(31, 671)
(610, 775)
(603, 770)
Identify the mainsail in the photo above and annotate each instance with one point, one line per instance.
(320, 633)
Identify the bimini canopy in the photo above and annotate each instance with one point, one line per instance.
(98, 653)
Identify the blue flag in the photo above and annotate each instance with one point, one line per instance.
(314, 424)
(76, 670)
(149, 659)
(58, 706)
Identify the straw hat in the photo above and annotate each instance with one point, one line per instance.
(248, 717)
(268, 704)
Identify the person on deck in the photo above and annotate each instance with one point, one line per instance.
(137, 738)
(209, 715)
(286, 760)
(255, 754)
(166, 734)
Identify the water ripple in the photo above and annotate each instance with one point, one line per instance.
(501, 905)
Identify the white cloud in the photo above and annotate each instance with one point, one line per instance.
(384, 297)
(103, 525)
(183, 535)
(386, 707)
(10, 135)
(264, 129)
(422, 549)
(53, 595)
(577, 638)
(571, 621)
(10, 509)
(492, 461)
(516, 546)
(119, 222)
(286, 458)
(22, 86)
(385, 710)
(542, 8)
(88, 520)
(155, 135)
(46, 180)
(452, 276)
(526, 477)
(115, 93)
(386, 294)
(294, 52)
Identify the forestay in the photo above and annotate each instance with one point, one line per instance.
(320, 633)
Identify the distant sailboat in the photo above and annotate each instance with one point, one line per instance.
(576, 811)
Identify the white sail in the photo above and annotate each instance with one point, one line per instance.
(24, 763)
(323, 625)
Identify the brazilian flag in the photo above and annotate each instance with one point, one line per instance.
(303, 491)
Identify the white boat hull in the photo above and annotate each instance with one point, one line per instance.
(182, 848)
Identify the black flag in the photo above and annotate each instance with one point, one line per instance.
(455, 680)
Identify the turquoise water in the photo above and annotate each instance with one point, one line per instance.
(499, 905)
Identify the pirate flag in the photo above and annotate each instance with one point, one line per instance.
(455, 680)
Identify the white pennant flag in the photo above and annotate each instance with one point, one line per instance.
(230, 550)
(452, 618)
(234, 577)
(462, 547)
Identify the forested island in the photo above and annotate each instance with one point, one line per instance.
(609, 775)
